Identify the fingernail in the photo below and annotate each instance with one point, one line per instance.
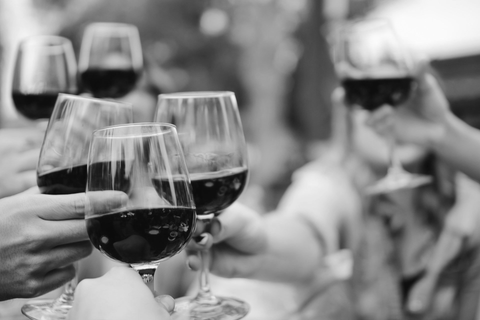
(189, 265)
(120, 199)
(202, 239)
(215, 227)
(415, 306)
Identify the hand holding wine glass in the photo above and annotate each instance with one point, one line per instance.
(110, 61)
(62, 168)
(422, 121)
(213, 142)
(45, 66)
(376, 70)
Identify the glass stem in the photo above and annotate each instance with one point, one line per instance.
(204, 295)
(148, 277)
(395, 164)
(67, 296)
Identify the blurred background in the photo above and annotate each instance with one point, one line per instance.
(272, 53)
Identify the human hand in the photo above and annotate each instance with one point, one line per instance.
(454, 263)
(237, 239)
(41, 236)
(20, 148)
(117, 295)
(422, 120)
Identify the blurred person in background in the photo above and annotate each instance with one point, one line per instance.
(329, 251)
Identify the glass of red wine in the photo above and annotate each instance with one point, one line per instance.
(62, 168)
(211, 134)
(375, 69)
(145, 163)
(110, 61)
(44, 67)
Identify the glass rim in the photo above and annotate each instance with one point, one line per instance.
(196, 94)
(112, 128)
(107, 25)
(53, 40)
(366, 22)
(97, 100)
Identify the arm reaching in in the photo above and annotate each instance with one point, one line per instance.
(290, 244)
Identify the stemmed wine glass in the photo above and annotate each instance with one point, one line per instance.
(62, 168)
(110, 61)
(144, 161)
(213, 142)
(375, 70)
(44, 67)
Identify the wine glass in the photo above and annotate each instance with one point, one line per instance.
(211, 133)
(62, 168)
(144, 161)
(375, 69)
(44, 67)
(110, 61)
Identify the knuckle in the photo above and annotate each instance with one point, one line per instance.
(78, 205)
(32, 288)
(85, 250)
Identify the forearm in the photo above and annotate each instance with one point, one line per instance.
(459, 145)
(294, 253)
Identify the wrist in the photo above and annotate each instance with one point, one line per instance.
(442, 132)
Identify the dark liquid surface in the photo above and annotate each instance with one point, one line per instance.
(34, 106)
(108, 83)
(371, 94)
(139, 236)
(63, 181)
(212, 192)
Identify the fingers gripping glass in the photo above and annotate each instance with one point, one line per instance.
(62, 168)
(213, 142)
(376, 70)
(144, 164)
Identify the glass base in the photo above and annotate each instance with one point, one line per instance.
(46, 310)
(219, 308)
(397, 181)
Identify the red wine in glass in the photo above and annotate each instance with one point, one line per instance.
(34, 105)
(108, 83)
(212, 191)
(110, 61)
(138, 236)
(63, 181)
(44, 67)
(370, 93)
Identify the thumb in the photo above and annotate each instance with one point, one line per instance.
(421, 295)
(167, 302)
